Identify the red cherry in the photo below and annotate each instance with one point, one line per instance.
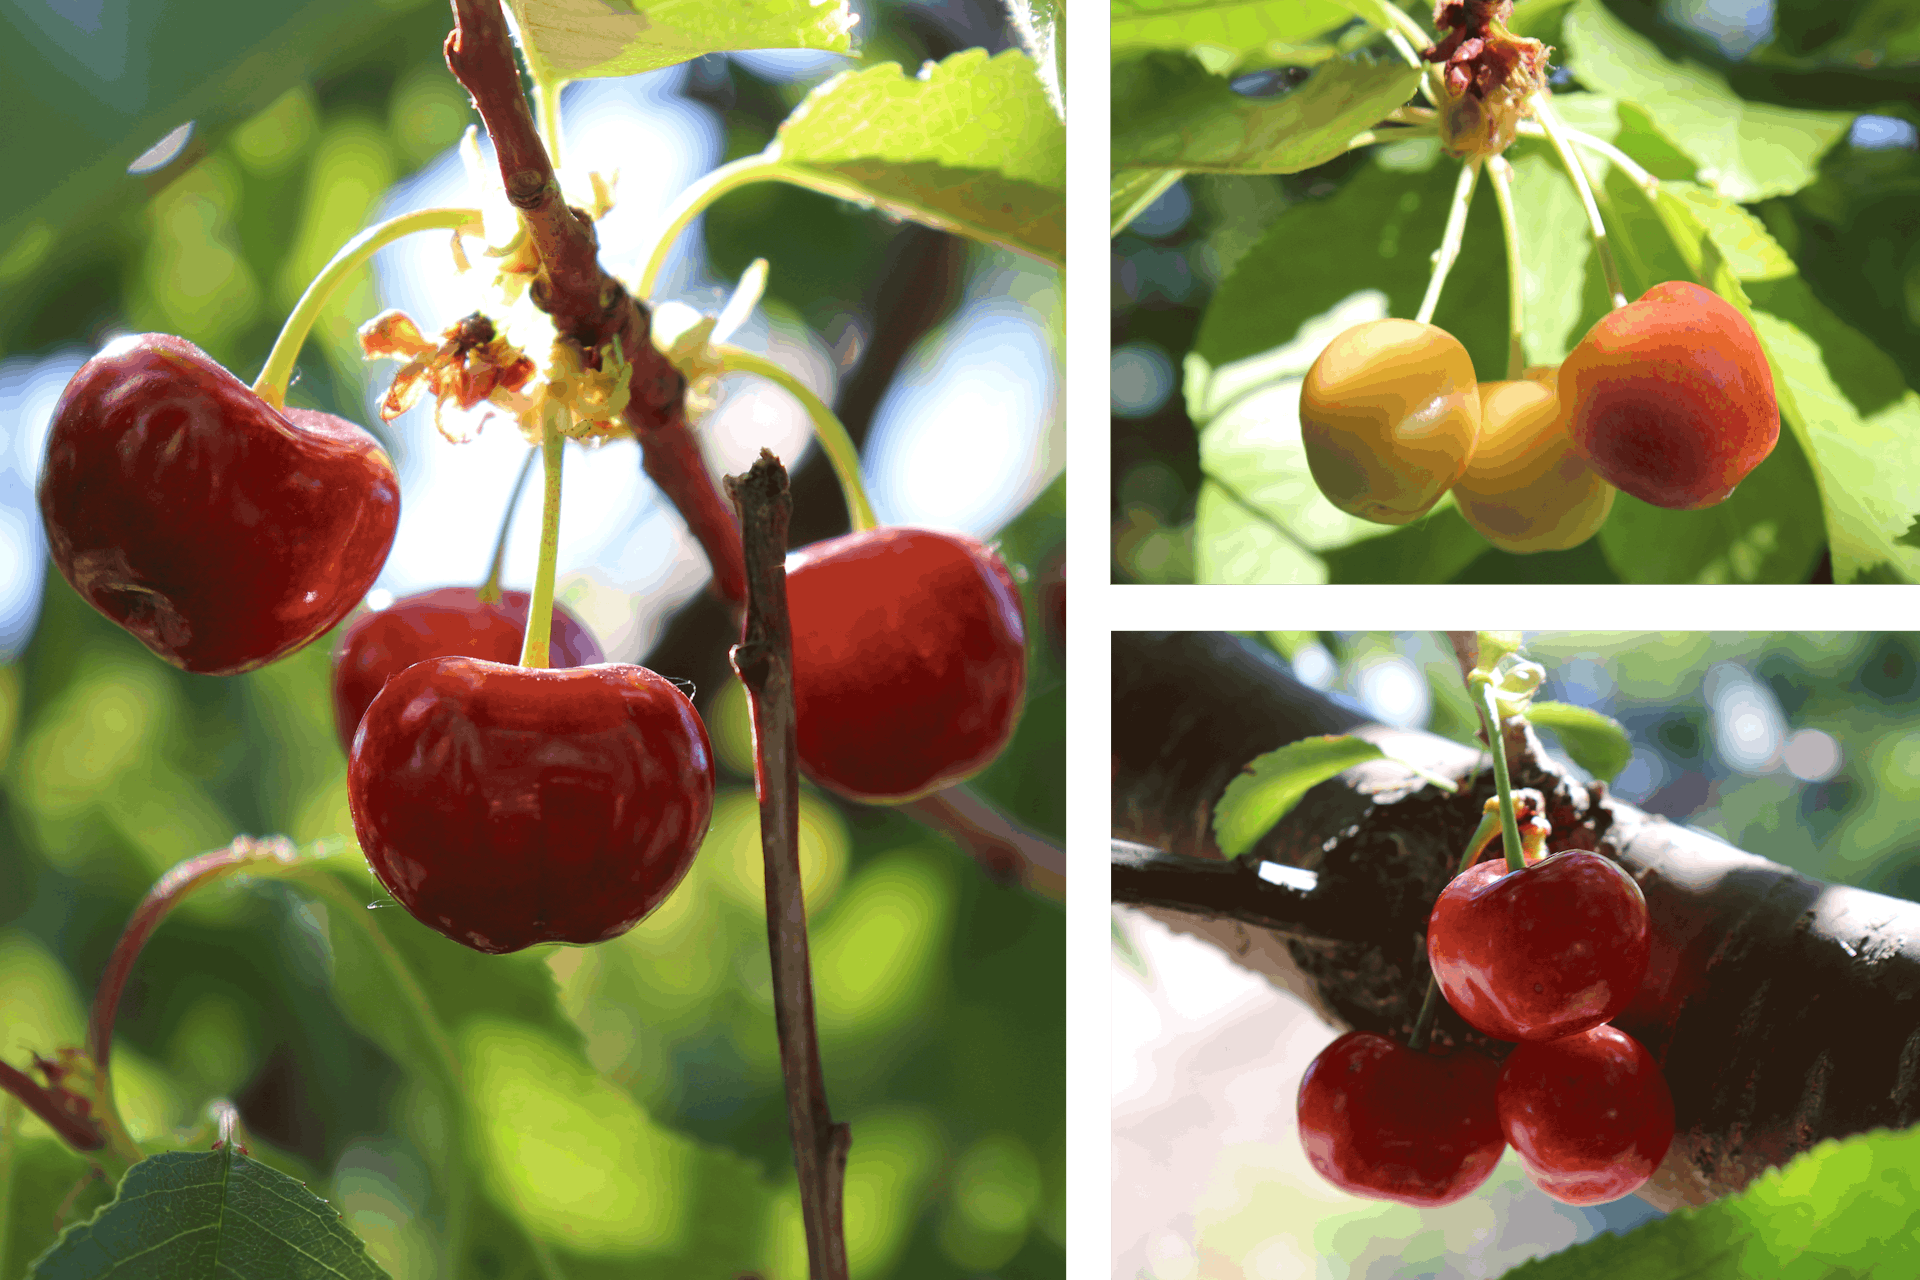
(436, 624)
(1590, 1114)
(909, 660)
(221, 532)
(505, 806)
(1671, 398)
(1378, 1119)
(1543, 952)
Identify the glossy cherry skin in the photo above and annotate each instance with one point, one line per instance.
(221, 532)
(1543, 952)
(1389, 413)
(909, 660)
(1526, 489)
(505, 806)
(1670, 398)
(1590, 1114)
(435, 624)
(1379, 1120)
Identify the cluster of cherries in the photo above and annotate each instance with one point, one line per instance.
(501, 805)
(1545, 957)
(1669, 398)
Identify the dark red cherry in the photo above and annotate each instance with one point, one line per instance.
(1590, 1114)
(505, 806)
(1543, 952)
(436, 624)
(221, 532)
(909, 660)
(1378, 1119)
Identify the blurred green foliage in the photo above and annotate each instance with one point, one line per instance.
(624, 1103)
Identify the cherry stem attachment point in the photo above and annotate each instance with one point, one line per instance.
(490, 589)
(533, 652)
(827, 428)
(764, 662)
(1576, 172)
(271, 385)
(1502, 175)
(1450, 240)
(1487, 704)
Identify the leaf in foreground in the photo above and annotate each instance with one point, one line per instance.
(186, 1215)
(1266, 790)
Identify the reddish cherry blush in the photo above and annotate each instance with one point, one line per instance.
(1590, 1114)
(1378, 1119)
(505, 806)
(909, 660)
(222, 533)
(1543, 952)
(437, 624)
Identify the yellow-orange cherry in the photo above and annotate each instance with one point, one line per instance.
(1527, 489)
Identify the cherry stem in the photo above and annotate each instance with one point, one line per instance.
(533, 652)
(1486, 702)
(764, 661)
(1502, 175)
(841, 453)
(1006, 851)
(272, 383)
(1450, 240)
(490, 589)
(1550, 123)
(80, 1134)
(1640, 177)
(692, 202)
(1392, 21)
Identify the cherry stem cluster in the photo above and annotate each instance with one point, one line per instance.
(1451, 239)
(1576, 172)
(1502, 175)
(764, 661)
(490, 589)
(1486, 702)
(534, 646)
(272, 383)
(588, 306)
(841, 452)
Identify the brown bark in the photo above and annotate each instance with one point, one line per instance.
(1784, 1010)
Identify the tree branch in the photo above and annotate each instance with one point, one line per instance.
(589, 306)
(1008, 852)
(764, 661)
(1783, 1010)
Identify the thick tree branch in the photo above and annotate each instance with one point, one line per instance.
(589, 306)
(764, 661)
(1784, 1010)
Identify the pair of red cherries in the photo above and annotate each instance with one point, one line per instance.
(1545, 956)
(502, 805)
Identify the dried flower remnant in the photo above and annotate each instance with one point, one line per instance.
(470, 364)
(1488, 75)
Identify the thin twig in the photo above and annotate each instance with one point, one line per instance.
(764, 661)
(80, 1133)
(1006, 851)
(589, 306)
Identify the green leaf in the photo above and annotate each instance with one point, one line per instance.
(581, 39)
(193, 1215)
(1042, 28)
(1268, 788)
(1847, 1208)
(970, 145)
(1431, 549)
(1595, 742)
(1746, 151)
(1169, 112)
(1235, 31)
(1844, 400)
(1135, 189)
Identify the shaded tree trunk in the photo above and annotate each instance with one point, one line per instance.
(1783, 1009)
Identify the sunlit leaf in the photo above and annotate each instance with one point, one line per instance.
(1236, 29)
(1594, 741)
(196, 1216)
(1272, 784)
(578, 39)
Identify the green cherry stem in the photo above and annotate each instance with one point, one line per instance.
(1450, 240)
(1502, 175)
(1577, 173)
(1640, 177)
(490, 589)
(833, 437)
(271, 385)
(1485, 701)
(540, 608)
(1430, 1006)
(692, 202)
